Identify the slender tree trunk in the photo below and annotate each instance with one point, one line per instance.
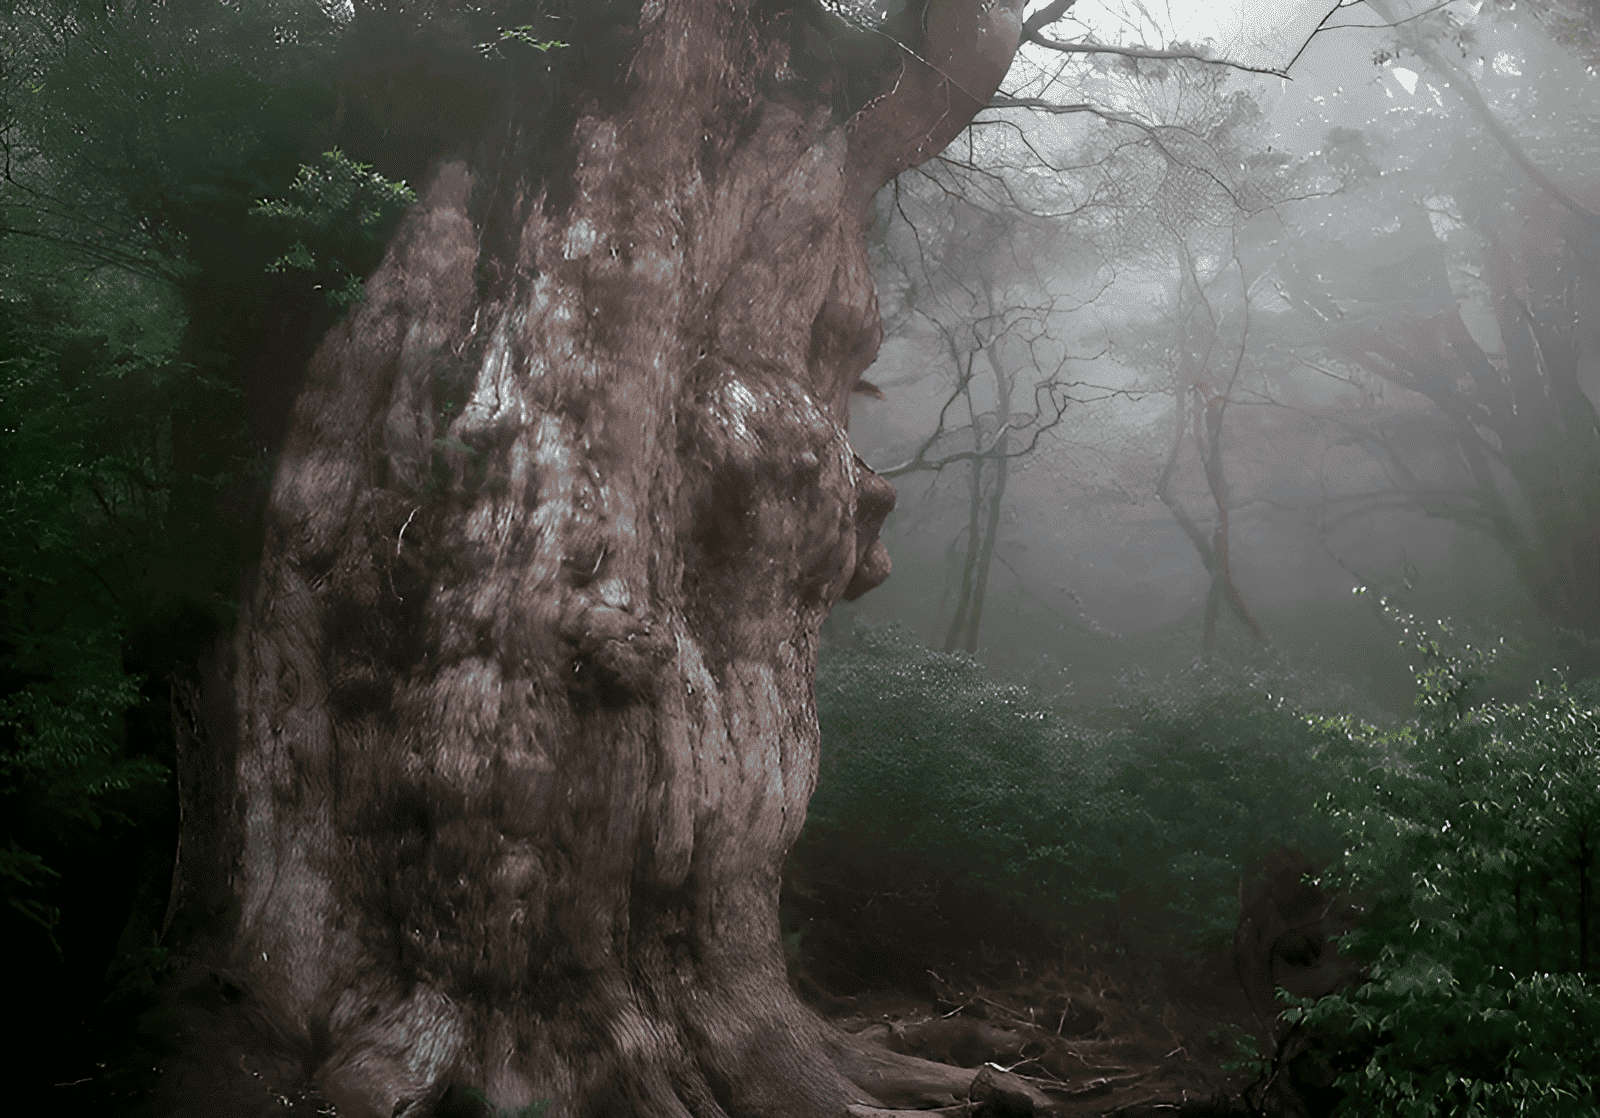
(1208, 635)
(991, 528)
(1208, 549)
(1180, 427)
(1538, 955)
(1584, 863)
(1222, 570)
(521, 719)
(946, 587)
(969, 566)
(969, 563)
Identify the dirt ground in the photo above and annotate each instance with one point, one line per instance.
(1093, 1045)
(1087, 1030)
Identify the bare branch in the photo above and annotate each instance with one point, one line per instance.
(1323, 25)
(1003, 102)
(1150, 53)
(99, 254)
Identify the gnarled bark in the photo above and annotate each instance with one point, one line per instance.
(522, 717)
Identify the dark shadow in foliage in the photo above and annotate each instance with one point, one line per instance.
(997, 826)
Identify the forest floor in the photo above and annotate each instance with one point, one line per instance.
(1090, 1027)
(1095, 1044)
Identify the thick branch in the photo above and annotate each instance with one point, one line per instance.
(1054, 12)
(967, 50)
(1152, 54)
(1045, 16)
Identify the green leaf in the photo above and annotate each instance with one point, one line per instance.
(298, 257)
(524, 34)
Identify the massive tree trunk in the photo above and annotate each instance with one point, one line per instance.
(521, 723)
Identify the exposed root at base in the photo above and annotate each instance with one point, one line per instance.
(905, 1084)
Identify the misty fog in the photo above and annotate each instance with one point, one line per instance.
(1231, 252)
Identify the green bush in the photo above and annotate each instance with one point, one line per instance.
(964, 807)
(134, 310)
(939, 785)
(1469, 833)
(81, 500)
(1222, 771)
(1474, 842)
(347, 211)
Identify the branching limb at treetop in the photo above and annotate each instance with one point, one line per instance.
(1033, 28)
(1032, 32)
(1153, 55)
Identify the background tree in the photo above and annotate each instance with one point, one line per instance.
(1478, 298)
(1008, 239)
(969, 285)
(1198, 186)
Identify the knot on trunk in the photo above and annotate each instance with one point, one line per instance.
(875, 499)
(1286, 933)
(617, 656)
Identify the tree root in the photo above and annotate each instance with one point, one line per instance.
(910, 1083)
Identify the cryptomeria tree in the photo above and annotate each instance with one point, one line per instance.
(492, 790)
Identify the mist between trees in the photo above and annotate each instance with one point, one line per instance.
(1176, 374)
(1212, 360)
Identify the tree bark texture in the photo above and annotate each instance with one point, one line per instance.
(522, 718)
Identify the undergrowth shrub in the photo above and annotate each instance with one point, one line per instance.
(950, 804)
(947, 802)
(1220, 772)
(952, 809)
(77, 503)
(1475, 842)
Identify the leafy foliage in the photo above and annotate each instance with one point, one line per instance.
(956, 793)
(345, 208)
(1475, 843)
(136, 139)
(1223, 770)
(524, 35)
(82, 497)
(1469, 833)
(954, 788)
